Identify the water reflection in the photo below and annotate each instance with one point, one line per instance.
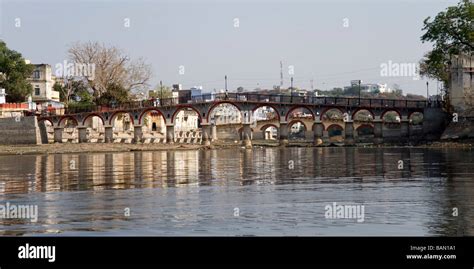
(280, 191)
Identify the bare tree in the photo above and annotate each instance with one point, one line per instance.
(111, 67)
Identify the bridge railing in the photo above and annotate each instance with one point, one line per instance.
(254, 97)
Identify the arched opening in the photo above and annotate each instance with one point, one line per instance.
(227, 119)
(122, 123)
(391, 124)
(391, 116)
(186, 124)
(297, 130)
(362, 116)
(270, 132)
(333, 115)
(263, 118)
(153, 125)
(70, 132)
(335, 133)
(365, 132)
(416, 118)
(416, 124)
(301, 113)
(95, 128)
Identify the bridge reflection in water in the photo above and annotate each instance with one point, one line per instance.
(195, 192)
(318, 120)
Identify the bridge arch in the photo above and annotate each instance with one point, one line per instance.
(46, 119)
(63, 118)
(269, 105)
(390, 110)
(93, 115)
(416, 117)
(181, 107)
(112, 117)
(334, 130)
(362, 109)
(296, 107)
(330, 108)
(365, 126)
(149, 110)
(266, 126)
(212, 108)
(293, 122)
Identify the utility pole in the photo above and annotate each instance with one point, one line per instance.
(161, 92)
(360, 81)
(312, 88)
(291, 91)
(427, 92)
(281, 74)
(226, 93)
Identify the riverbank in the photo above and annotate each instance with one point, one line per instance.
(116, 147)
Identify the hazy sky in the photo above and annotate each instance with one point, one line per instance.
(331, 42)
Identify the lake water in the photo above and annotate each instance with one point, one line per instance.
(263, 191)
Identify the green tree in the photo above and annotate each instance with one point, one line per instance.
(14, 73)
(451, 33)
(161, 92)
(115, 94)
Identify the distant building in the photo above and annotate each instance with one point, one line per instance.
(42, 82)
(370, 87)
(187, 95)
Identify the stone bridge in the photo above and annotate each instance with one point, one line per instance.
(312, 118)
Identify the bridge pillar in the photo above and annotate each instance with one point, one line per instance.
(349, 133)
(318, 129)
(58, 134)
(170, 133)
(405, 130)
(247, 136)
(206, 137)
(137, 134)
(213, 132)
(378, 131)
(82, 134)
(283, 133)
(109, 134)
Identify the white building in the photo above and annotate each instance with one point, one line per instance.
(370, 87)
(42, 82)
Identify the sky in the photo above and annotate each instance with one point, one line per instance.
(197, 43)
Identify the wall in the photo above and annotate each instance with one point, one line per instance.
(461, 88)
(24, 131)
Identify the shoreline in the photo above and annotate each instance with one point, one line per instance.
(72, 148)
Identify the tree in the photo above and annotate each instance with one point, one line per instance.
(14, 74)
(73, 91)
(451, 34)
(161, 92)
(114, 94)
(113, 70)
